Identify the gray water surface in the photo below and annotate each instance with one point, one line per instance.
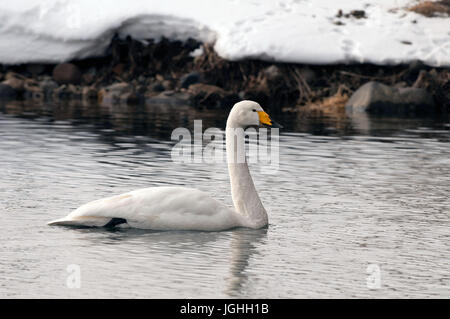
(348, 204)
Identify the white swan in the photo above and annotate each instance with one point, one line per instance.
(180, 208)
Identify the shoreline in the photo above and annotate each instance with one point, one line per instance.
(167, 72)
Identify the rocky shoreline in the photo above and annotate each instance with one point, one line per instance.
(192, 73)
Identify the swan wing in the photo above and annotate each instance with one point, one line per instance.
(158, 208)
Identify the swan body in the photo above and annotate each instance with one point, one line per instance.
(180, 208)
(158, 208)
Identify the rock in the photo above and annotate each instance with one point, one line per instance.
(7, 92)
(48, 86)
(117, 93)
(168, 98)
(89, 93)
(378, 98)
(401, 84)
(141, 79)
(211, 96)
(358, 14)
(88, 78)
(74, 91)
(14, 80)
(61, 93)
(33, 90)
(141, 89)
(66, 73)
(11, 75)
(168, 85)
(190, 78)
(34, 95)
(414, 68)
(31, 85)
(156, 87)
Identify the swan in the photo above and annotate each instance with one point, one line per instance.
(181, 208)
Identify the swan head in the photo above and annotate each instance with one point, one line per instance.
(249, 113)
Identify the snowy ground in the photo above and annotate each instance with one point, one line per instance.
(303, 31)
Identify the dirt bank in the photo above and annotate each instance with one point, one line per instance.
(192, 73)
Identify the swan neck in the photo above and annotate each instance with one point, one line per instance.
(245, 197)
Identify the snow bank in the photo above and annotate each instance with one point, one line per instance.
(303, 31)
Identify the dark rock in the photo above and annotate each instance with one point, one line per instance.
(259, 94)
(156, 87)
(33, 90)
(7, 92)
(66, 73)
(358, 14)
(34, 95)
(415, 67)
(35, 69)
(190, 78)
(89, 76)
(119, 69)
(61, 93)
(378, 98)
(141, 79)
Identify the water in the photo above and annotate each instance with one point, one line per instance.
(358, 208)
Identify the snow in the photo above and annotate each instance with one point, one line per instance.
(300, 31)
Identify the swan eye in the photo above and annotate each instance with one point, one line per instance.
(254, 110)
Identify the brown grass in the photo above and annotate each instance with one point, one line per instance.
(432, 9)
(330, 106)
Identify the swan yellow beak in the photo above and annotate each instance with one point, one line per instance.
(264, 118)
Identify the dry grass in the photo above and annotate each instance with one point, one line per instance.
(432, 9)
(331, 106)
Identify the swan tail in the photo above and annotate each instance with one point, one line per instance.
(87, 221)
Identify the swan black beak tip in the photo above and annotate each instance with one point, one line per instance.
(276, 125)
(273, 125)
